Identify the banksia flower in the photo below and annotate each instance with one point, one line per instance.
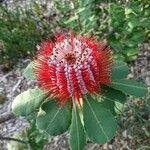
(72, 66)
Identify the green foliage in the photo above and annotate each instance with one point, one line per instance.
(77, 133)
(120, 70)
(130, 87)
(27, 102)
(113, 95)
(125, 25)
(94, 119)
(28, 72)
(56, 119)
(21, 29)
(128, 27)
(107, 103)
(36, 138)
(100, 124)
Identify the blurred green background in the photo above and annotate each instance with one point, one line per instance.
(23, 24)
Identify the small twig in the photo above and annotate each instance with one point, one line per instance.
(16, 86)
(12, 139)
(6, 116)
(144, 147)
(5, 76)
(93, 147)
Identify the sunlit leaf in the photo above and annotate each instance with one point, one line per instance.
(77, 134)
(100, 124)
(130, 87)
(56, 119)
(28, 102)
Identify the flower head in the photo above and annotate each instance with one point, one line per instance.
(72, 66)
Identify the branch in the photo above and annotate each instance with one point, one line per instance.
(6, 116)
(12, 139)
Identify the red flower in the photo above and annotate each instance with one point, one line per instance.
(72, 66)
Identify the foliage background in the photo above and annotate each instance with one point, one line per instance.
(124, 23)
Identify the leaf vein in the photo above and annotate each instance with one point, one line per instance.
(77, 129)
(127, 85)
(53, 119)
(97, 120)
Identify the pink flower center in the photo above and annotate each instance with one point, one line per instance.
(70, 58)
(73, 66)
(71, 53)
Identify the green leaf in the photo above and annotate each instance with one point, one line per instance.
(145, 23)
(132, 53)
(81, 9)
(100, 124)
(77, 134)
(113, 95)
(56, 119)
(28, 72)
(132, 40)
(108, 104)
(118, 107)
(71, 19)
(110, 97)
(119, 70)
(27, 102)
(133, 21)
(130, 87)
(115, 43)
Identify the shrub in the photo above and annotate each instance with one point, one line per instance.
(125, 24)
(21, 29)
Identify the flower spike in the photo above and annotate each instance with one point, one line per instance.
(72, 66)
